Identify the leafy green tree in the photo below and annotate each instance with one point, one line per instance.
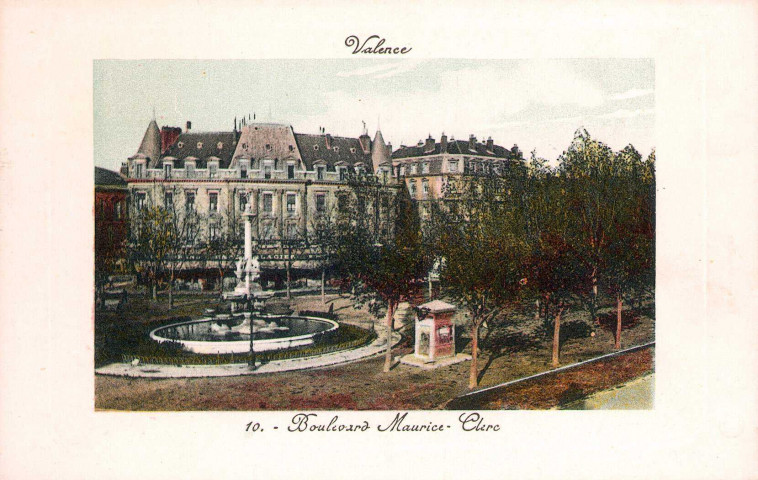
(379, 248)
(483, 242)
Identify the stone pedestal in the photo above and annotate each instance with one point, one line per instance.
(435, 337)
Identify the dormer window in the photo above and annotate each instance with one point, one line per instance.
(315, 147)
(189, 169)
(352, 149)
(291, 171)
(199, 145)
(180, 144)
(320, 172)
(244, 145)
(268, 147)
(212, 169)
(292, 149)
(336, 149)
(167, 170)
(243, 168)
(220, 145)
(139, 169)
(343, 173)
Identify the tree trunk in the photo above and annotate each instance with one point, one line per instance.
(431, 294)
(323, 283)
(557, 338)
(473, 379)
(154, 289)
(388, 352)
(593, 297)
(537, 309)
(618, 321)
(171, 291)
(221, 284)
(289, 294)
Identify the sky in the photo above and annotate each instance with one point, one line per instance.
(537, 104)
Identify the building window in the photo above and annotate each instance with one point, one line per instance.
(402, 170)
(343, 172)
(190, 170)
(291, 171)
(424, 168)
(212, 231)
(291, 230)
(385, 174)
(413, 169)
(189, 201)
(212, 170)
(269, 231)
(168, 200)
(243, 170)
(292, 149)
(425, 188)
(267, 171)
(336, 149)
(167, 170)
(213, 202)
(320, 202)
(140, 200)
(138, 169)
(413, 189)
(452, 166)
(268, 147)
(199, 145)
(242, 201)
(219, 145)
(119, 213)
(276, 164)
(268, 203)
(342, 203)
(180, 144)
(320, 172)
(315, 147)
(291, 199)
(352, 149)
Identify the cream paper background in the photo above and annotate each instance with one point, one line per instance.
(704, 423)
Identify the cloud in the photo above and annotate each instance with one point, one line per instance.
(633, 93)
(369, 70)
(624, 113)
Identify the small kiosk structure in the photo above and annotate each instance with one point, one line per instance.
(435, 337)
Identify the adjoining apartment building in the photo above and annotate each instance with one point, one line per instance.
(430, 168)
(288, 178)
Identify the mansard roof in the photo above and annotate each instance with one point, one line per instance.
(203, 146)
(108, 178)
(341, 149)
(454, 147)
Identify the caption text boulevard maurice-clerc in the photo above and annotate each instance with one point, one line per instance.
(311, 422)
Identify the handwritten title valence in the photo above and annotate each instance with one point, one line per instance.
(373, 44)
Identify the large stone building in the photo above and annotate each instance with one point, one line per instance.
(430, 168)
(288, 178)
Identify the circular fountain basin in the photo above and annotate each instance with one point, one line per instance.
(231, 335)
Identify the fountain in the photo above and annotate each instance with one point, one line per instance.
(249, 330)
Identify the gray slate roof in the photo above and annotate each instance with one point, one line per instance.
(186, 145)
(455, 147)
(330, 156)
(108, 178)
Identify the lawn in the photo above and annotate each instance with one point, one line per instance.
(510, 350)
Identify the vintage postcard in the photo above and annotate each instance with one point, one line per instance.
(308, 244)
(378, 241)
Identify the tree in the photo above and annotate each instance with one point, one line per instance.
(379, 248)
(151, 243)
(593, 182)
(322, 240)
(226, 245)
(484, 246)
(629, 259)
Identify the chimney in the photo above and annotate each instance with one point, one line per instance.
(189, 125)
(429, 146)
(443, 143)
(472, 142)
(389, 149)
(328, 141)
(365, 142)
(490, 145)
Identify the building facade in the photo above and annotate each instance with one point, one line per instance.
(288, 179)
(110, 220)
(430, 168)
